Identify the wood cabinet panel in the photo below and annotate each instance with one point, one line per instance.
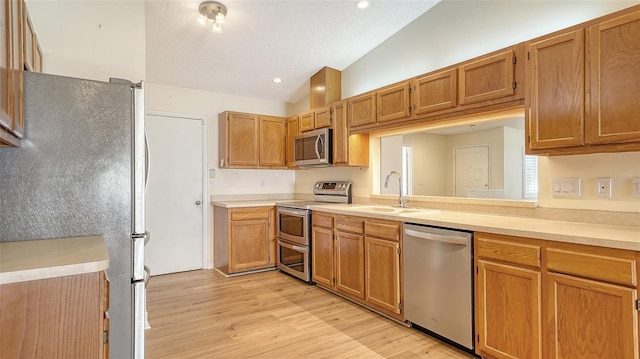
(249, 245)
(241, 214)
(488, 78)
(322, 250)
(241, 135)
(362, 110)
(29, 37)
(292, 132)
(618, 270)
(56, 318)
(11, 73)
(508, 311)
(614, 80)
(516, 253)
(435, 92)
(382, 261)
(322, 117)
(393, 103)
(272, 139)
(388, 230)
(555, 91)
(322, 220)
(350, 264)
(349, 224)
(348, 150)
(587, 319)
(307, 121)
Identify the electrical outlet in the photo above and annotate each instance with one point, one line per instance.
(566, 187)
(603, 187)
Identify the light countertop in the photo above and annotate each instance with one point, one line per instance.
(40, 259)
(561, 231)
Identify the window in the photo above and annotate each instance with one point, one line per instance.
(530, 177)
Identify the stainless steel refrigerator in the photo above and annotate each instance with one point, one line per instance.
(81, 170)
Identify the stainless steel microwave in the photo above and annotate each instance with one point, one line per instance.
(313, 148)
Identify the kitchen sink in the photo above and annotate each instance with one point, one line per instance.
(391, 210)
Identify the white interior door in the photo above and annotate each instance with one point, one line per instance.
(471, 169)
(174, 194)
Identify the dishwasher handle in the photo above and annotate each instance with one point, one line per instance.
(436, 237)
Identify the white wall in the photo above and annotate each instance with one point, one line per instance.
(429, 163)
(91, 39)
(513, 162)
(455, 31)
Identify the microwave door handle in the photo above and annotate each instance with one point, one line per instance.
(318, 140)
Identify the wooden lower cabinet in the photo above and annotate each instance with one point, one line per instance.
(508, 303)
(350, 264)
(359, 258)
(589, 319)
(244, 239)
(545, 299)
(62, 317)
(323, 252)
(382, 261)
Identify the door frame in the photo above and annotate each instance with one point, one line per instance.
(488, 146)
(206, 263)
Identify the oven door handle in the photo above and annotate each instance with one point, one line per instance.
(292, 246)
(292, 211)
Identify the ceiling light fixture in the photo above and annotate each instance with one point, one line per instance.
(362, 4)
(212, 11)
(277, 80)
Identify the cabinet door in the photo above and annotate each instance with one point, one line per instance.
(555, 91)
(292, 132)
(273, 139)
(488, 78)
(5, 66)
(614, 81)
(323, 117)
(436, 92)
(322, 251)
(242, 139)
(362, 110)
(393, 102)
(508, 311)
(307, 121)
(248, 245)
(340, 134)
(28, 45)
(588, 319)
(382, 260)
(38, 62)
(350, 264)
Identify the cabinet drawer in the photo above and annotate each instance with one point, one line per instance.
(609, 269)
(240, 214)
(517, 253)
(350, 225)
(383, 230)
(322, 220)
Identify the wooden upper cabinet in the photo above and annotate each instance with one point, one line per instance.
(273, 139)
(614, 80)
(555, 91)
(5, 66)
(28, 43)
(348, 150)
(238, 145)
(316, 119)
(393, 102)
(488, 78)
(362, 109)
(11, 73)
(38, 59)
(323, 117)
(307, 121)
(292, 131)
(435, 92)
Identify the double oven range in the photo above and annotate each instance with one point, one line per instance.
(294, 227)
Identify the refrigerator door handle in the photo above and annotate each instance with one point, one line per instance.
(147, 159)
(138, 256)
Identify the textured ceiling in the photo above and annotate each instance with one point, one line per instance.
(266, 39)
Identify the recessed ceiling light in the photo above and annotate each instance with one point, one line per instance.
(363, 4)
(277, 80)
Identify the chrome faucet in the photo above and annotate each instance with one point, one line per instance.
(401, 199)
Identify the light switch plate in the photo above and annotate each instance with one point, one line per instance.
(566, 187)
(635, 182)
(603, 187)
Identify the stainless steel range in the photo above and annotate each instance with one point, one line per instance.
(294, 227)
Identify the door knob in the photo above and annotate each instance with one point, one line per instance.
(198, 203)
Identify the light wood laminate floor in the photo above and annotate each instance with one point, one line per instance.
(202, 314)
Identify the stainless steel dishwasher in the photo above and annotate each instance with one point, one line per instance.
(438, 281)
